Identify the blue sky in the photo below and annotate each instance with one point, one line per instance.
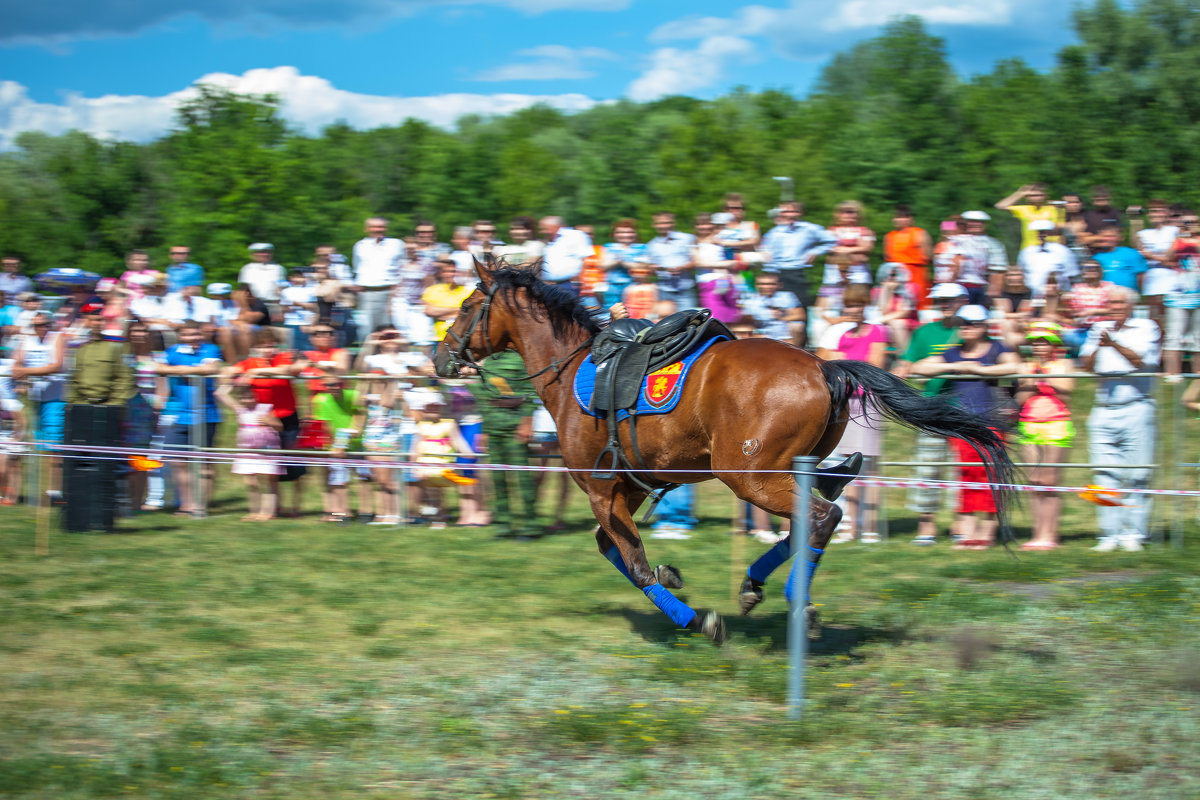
(118, 67)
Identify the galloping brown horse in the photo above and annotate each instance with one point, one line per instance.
(747, 409)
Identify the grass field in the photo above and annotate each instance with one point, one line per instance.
(216, 658)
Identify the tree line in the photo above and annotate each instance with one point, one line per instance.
(888, 122)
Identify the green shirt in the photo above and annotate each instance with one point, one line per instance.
(931, 339)
(339, 413)
(504, 380)
(101, 375)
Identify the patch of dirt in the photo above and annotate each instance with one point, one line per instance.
(1042, 590)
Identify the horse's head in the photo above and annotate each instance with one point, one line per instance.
(478, 330)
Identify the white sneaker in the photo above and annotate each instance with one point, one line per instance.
(1131, 544)
(766, 537)
(869, 537)
(1107, 545)
(842, 537)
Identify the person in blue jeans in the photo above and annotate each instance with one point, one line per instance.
(189, 402)
(674, 516)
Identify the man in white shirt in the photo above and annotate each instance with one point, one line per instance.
(189, 304)
(671, 252)
(1121, 427)
(262, 274)
(984, 259)
(1038, 261)
(377, 260)
(566, 248)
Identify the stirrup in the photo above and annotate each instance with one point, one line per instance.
(832, 480)
(611, 475)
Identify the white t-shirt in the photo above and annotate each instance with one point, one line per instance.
(1158, 280)
(263, 279)
(293, 314)
(1038, 264)
(399, 363)
(378, 263)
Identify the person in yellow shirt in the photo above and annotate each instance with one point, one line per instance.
(1032, 209)
(443, 299)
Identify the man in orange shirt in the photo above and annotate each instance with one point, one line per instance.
(911, 246)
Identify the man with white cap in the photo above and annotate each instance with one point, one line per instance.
(984, 259)
(931, 339)
(1046, 258)
(1121, 427)
(262, 274)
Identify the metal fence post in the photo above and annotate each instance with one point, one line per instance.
(797, 635)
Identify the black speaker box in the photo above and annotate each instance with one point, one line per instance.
(90, 482)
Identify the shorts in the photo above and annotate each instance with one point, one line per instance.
(796, 282)
(864, 431)
(1158, 281)
(925, 500)
(178, 435)
(139, 423)
(1183, 330)
(51, 421)
(1055, 433)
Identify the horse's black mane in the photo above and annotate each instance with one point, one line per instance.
(563, 307)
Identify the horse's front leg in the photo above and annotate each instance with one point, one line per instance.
(621, 544)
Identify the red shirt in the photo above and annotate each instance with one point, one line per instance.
(275, 391)
(320, 365)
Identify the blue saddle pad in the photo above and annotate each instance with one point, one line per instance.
(660, 391)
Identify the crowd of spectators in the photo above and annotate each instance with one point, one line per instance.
(335, 354)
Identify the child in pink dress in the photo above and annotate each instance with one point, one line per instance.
(258, 430)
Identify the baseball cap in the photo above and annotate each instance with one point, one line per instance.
(94, 305)
(260, 246)
(948, 291)
(972, 313)
(977, 216)
(219, 288)
(1042, 225)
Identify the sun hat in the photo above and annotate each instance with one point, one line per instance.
(1044, 329)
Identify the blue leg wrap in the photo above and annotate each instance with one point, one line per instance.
(614, 555)
(814, 558)
(677, 610)
(770, 561)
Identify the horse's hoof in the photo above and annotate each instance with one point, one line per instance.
(749, 596)
(812, 621)
(713, 627)
(668, 577)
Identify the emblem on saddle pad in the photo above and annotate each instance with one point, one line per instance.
(750, 447)
(661, 384)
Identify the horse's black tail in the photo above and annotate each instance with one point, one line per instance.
(896, 400)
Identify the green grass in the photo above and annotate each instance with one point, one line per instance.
(214, 658)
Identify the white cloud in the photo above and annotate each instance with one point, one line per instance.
(675, 71)
(551, 62)
(747, 21)
(857, 14)
(308, 101)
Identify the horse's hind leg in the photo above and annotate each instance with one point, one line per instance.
(775, 494)
(620, 543)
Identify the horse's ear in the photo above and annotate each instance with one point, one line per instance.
(486, 268)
